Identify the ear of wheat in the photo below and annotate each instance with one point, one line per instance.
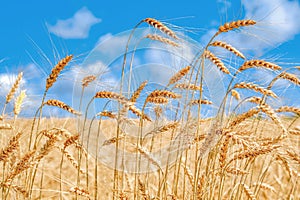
(244, 85)
(200, 101)
(87, 80)
(179, 75)
(187, 86)
(14, 88)
(19, 101)
(160, 26)
(56, 71)
(290, 77)
(235, 25)
(228, 47)
(235, 94)
(112, 95)
(137, 93)
(259, 63)
(289, 109)
(162, 39)
(214, 59)
(62, 105)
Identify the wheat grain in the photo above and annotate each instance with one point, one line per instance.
(46, 148)
(137, 93)
(235, 25)
(259, 63)
(18, 103)
(179, 75)
(294, 132)
(62, 105)
(271, 113)
(87, 80)
(14, 88)
(16, 188)
(228, 47)
(160, 26)
(256, 100)
(56, 71)
(265, 186)
(162, 39)
(244, 85)
(214, 59)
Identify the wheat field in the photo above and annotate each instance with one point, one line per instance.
(157, 143)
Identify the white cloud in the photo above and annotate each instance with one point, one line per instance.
(77, 27)
(277, 22)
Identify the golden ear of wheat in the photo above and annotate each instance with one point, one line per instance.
(228, 47)
(181, 73)
(14, 88)
(258, 63)
(214, 59)
(184, 86)
(289, 109)
(137, 93)
(290, 77)
(56, 71)
(18, 103)
(162, 39)
(156, 94)
(62, 105)
(160, 26)
(87, 80)
(251, 86)
(234, 25)
(200, 101)
(235, 94)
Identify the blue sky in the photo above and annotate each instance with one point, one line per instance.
(35, 34)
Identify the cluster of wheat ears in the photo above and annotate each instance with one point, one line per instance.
(251, 154)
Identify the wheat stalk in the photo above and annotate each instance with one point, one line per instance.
(160, 26)
(14, 88)
(228, 47)
(56, 71)
(244, 85)
(162, 39)
(259, 63)
(235, 25)
(181, 73)
(62, 105)
(214, 59)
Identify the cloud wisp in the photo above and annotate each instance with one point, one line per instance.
(76, 27)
